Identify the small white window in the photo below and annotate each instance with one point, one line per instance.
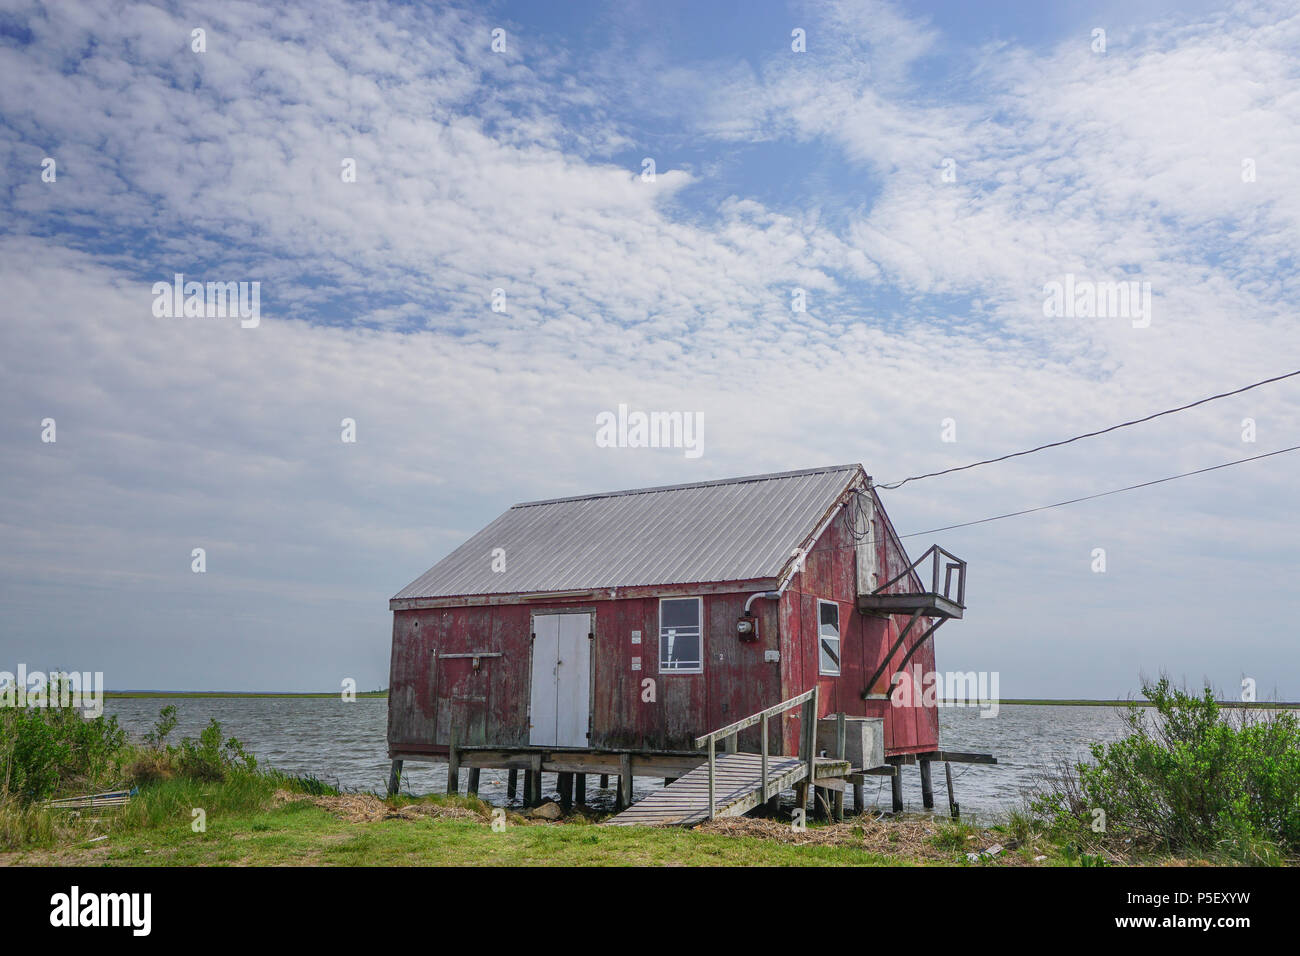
(681, 648)
(828, 637)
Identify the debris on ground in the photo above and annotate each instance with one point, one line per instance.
(988, 854)
(896, 836)
(368, 808)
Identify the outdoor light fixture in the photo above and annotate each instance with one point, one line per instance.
(747, 627)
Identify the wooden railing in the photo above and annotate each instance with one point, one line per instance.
(727, 734)
(952, 565)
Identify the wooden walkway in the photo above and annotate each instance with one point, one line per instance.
(738, 789)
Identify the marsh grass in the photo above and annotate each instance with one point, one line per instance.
(55, 751)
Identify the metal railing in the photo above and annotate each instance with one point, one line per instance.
(936, 555)
(727, 734)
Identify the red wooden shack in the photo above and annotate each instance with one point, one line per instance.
(607, 632)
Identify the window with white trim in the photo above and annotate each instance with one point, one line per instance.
(681, 641)
(828, 637)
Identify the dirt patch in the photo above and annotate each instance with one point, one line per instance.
(61, 856)
(368, 808)
(909, 839)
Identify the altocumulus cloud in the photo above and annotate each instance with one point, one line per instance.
(522, 172)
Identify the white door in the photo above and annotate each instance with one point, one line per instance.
(561, 686)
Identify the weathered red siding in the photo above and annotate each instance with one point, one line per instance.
(830, 574)
(490, 706)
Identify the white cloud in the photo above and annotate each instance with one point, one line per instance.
(478, 173)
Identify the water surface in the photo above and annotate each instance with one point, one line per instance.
(343, 744)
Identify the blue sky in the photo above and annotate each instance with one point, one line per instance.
(521, 170)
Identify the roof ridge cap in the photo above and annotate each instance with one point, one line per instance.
(743, 479)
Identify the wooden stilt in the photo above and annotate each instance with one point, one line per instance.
(821, 803)
(580, 789)
(565, 785)
(896, 790)
(859, 798)
(837, 805)
(512, 785)
(954, 808)
(927, 786)
(535, 795)
(394, 777)
(625, 779)
(801, 795)
(471, 788)
(604, 781)
(453, 770)
(528, 788)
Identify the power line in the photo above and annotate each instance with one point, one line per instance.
(1102, 494)
(1102, 431)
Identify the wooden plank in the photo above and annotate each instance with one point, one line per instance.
(841, 742)
(930, 604)
(559, 761)
(453, 770)
(713, 774)
(738, 786)
(625, 779)
(544, 696)
(753, 719)
(535, 775)
(957, 756)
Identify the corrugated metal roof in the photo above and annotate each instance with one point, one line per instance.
(739, 529)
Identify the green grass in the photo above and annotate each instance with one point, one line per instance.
(954, 836)
(303, 834)
(246, 827)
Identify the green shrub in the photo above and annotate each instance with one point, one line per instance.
(1190, 775)
(207, 758)
(53, 751)
(45, 749)
(156, 739)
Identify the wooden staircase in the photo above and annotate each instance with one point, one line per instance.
(731, 783)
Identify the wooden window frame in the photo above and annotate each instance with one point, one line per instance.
(659, 651)
(839, 640)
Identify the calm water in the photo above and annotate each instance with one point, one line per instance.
(343, 744)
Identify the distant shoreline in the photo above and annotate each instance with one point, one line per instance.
(1070, 702)
(1025, 701)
